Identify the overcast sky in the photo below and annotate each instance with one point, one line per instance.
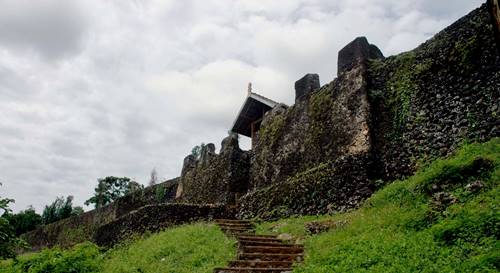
(94, 88)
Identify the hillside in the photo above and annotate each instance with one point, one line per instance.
(445, 218)
(379, 120)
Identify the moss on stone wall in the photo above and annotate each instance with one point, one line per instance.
(431, 99)
(327, 187)
(273, 129)
(401, 87)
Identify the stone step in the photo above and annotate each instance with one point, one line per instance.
(295, 257)
(231, 224)
(251, 270)
(237, 226)
(263, 243)
(256, 235)
(273, 249)
(238, 230)
(233, 221)
(260, 264)
(260, 239)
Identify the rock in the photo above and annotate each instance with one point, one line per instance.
(475, 186)
(229, 143)
(317, 227)
(285, 237)
(306, 85)
(441, 200)
(189, 163)
(356, 52)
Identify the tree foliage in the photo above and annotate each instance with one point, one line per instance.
(111, 188)
(196, 151)
(8, 240)
(24, 221)
(59, 209)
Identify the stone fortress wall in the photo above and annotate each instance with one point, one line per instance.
(375, 122)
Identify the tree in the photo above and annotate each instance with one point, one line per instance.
(196, 151)
(77, 211)
(24, 221)
(111, 188)
(8, 240)
(59, 209)
(153, 180)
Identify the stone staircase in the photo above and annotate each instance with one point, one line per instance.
(258, 253)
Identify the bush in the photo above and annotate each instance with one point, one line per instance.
(24, 221)
(58, 210)
(83, 258)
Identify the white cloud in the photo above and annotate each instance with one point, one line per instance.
(95, 88)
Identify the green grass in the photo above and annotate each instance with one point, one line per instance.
(401, 229)
(191, 248)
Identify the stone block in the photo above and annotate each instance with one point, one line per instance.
(306, 85)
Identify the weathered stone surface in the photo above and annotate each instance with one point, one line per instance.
(216, 178)
(426, 102)
(316, 227)
(77, 229)
(356, 52)
(331, 186)
(154, 218)
(324, 126)
(306, 85)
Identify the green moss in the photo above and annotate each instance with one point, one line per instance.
(71, 236)
(320, 105)
(401, 87)
(160, 193)
(464, 52)
(319, 110)
(273, 130)
(390, 234)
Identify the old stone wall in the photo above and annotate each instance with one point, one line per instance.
(215, 178)
(328, 187)
(428, 101)
(76, 229)
(326, 152)
(154, 218)
(326, 124)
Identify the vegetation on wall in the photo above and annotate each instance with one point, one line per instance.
(401, 86)
(272, 130)
(443, 219)
(196, 150)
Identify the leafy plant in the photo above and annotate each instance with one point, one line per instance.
(111, 188)
(196, 151)
(24, 221)
(59, 209)
(8, 240)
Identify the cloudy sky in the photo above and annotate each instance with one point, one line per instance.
(93, 88)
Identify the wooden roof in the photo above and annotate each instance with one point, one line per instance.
(252, 110)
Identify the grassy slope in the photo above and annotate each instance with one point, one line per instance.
(400, 229)
(185, 249)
